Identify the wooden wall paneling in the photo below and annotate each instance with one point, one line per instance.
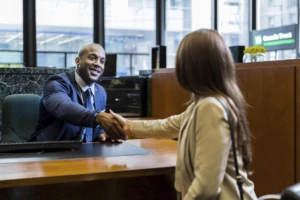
(159, 187)
(269, 92)
(269, 89)
(277, 63)
(168, 97)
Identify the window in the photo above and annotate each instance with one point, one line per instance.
(130, 33)
(282, 13)
(293, 18)
(272, 2)
(292, 3)
(63, 27)
(135, 3)
(182, 17)
(271, 21)
(276, 14)
(233, 23)
(11, 34)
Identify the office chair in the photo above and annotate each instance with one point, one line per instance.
(290, 193)
(20, 114)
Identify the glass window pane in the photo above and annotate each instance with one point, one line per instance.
(11, 57)
(139, 62)
(130, 29)
(233, 23)
(71, 59)
(11, 33)
(182, 17)
(51, 60)
(277, 13)
(63, 26)
(123, 65)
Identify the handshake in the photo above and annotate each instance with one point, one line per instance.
(115, 126)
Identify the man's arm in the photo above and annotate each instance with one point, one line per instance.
(59, 104)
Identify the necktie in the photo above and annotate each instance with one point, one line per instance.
(89, 105)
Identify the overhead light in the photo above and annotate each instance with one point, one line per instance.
(12, 37)
(52, 38)
(68, 40)
(39, 35)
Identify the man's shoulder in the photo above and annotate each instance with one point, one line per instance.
(61, 77)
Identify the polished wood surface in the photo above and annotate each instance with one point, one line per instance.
(277, 63)
(168, 97)
(269, 89)
(161, 161)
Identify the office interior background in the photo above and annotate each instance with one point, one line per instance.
(130, 28)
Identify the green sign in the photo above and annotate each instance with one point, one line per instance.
(275, 38)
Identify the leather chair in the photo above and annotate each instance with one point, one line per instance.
(20, 114)
(290, 193)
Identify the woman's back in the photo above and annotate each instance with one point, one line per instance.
(205, 165)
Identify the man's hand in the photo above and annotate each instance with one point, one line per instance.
(125, 123)
(111, 126)
(104, 137)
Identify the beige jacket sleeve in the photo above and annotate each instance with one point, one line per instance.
(212, 150)
(160, 129)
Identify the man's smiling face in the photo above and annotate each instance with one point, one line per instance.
(90, 63)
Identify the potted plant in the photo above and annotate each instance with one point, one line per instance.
(254, 54)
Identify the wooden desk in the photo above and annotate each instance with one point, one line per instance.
(148, 176)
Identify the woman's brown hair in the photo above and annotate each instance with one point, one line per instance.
(204, 66)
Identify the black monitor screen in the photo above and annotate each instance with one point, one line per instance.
(110, 65)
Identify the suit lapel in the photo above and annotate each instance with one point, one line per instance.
(71, 76)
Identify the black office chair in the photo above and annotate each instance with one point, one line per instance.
(290, 193)
(20, 114)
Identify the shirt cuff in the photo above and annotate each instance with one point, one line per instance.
(96, 113)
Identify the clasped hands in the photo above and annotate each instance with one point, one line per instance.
(115, 126)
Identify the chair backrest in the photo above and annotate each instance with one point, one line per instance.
(20, 114)
(290, 193)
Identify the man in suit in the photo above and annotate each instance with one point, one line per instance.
(64, 114)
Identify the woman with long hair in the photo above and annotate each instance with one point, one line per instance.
(205, 165)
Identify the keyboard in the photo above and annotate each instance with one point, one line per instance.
(39, 146)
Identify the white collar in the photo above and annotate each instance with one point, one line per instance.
(83, 85)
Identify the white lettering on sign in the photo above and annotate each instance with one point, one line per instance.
(267, 38)
(285, 35)
(279, 36)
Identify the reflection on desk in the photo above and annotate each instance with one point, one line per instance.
(120, 173)
(84, 150)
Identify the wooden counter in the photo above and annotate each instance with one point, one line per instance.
(272, 91)
(123, 177)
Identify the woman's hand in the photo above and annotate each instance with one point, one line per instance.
(126, 124)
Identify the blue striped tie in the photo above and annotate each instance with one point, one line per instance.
(89, 105)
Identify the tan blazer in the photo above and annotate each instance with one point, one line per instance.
(205, 165)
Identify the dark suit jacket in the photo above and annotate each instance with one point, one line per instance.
(62, 114)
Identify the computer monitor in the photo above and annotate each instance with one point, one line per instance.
(237, 53)
(110, 65)
(158, 57)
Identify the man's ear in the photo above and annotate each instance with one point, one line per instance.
(77, 61)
